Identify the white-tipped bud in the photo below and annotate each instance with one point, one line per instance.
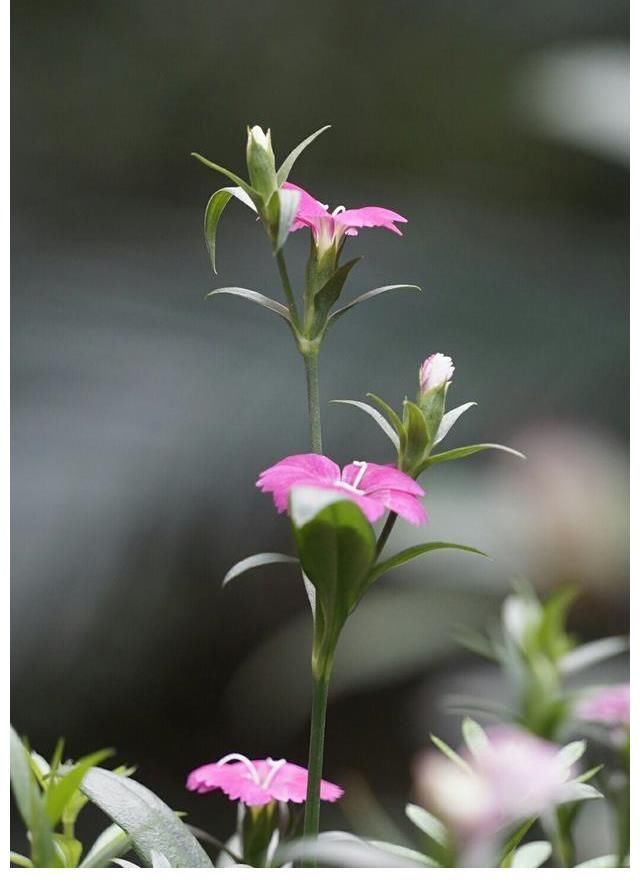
(435, 371)
(261, 162)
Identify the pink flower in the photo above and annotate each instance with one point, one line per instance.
(436, 370)
(332, 227)
(606, 706)
(258, 782)
(512, 775)
(373, 487)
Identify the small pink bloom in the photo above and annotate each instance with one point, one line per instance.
(436, 370)
(332, 227)
(373, 487)
(606, 706)
(258, 782)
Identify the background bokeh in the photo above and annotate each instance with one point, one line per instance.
(143, 414)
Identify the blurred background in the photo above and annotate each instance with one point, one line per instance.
(142, 414)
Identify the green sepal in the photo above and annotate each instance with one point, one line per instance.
(432, 405)
(416, 440)
(281, 212)
(413, 552)
(68, 850)
(261, 165)
(323, 299)
(336, 546)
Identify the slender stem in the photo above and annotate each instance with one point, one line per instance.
(385, 532)
(287, 288)
(313, 400)
(316, 753)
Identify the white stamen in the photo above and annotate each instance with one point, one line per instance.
(275, 767)
(354, 487)
(238, 757)
(338, 210)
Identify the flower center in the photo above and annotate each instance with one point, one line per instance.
(274, 767)
(354, 487)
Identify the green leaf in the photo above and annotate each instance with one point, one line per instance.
(390, 413)
(588, 775)
(531, 855)
(514, 840)
(369, 295)
(113, 842)
(413, 552)
(288, 162)
(254, 561)
(213, 212)
(427, 824)
(19, 859)
(401, 851)
(376, 416)
(328, 294)
(551, 636)
(68, 850)
(149, 823)
(608, 861)
(30, 803)
(450, 753)
(592, 652)
(288, 201)
(474, 736)
(60, 790)
(449, 419)
(462, 452)
(219, 169)
(336, 546)
(253, 296)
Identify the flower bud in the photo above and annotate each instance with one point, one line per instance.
(435, 371)
(261, 162)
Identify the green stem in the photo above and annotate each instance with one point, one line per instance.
(385, 532)
(313, 400)
(316, 753)
(287, 288)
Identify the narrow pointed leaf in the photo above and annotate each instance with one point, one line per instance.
(287, 164)
(125, 864)
(328, 294)
(406, 853)
(22, 778)
(427, 823)
(376, 416)
(213, 212)
(588, 775)
(256, 297)
(369, 295)
(148, 821)
(450, 419)
(112, 842)
(575, 791)
(61, 789)
(414, 552)
(159, 860)
(570, 753)
(592, 652)
(254, 561)
(462, 452)
(451, 754)
(531, 855)
(288, 201)
(220, 169)
(19, 859)
(514, 840)
(608, 861)
(475, 737)
(389, 412)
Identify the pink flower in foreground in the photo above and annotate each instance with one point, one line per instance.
(436, 370)
(512, 776)
(373, 487)
(606, 706)
(332, 227)
(258, 782)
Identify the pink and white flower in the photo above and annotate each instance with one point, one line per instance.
(258, 781)
(373, 487)
(436, 370)
(511, 776)
(606, 706)
(331, 227)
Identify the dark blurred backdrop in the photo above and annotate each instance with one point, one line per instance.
(142, 415)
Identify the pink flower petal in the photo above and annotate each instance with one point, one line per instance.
(305, 468)
(378, 477)
(370, 217)
(403, 504)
